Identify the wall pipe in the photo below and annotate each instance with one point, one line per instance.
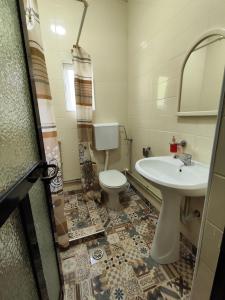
(82, 20)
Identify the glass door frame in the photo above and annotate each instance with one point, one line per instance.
(17, 195)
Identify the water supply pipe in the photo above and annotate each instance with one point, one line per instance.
(106, 160)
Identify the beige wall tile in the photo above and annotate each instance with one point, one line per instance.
(69, 153)
(216, 17)
(203, 283)
(211, 243)
(155, 58)
(220, 157)
(216, 207)
(159, 35)
(202, 148)
(107, 44)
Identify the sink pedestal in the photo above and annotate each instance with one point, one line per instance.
(175, 181)
(166, 243)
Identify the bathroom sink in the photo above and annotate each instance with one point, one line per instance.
(175, 181)
(169, 172)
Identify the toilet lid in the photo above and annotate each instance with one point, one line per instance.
(112, 178)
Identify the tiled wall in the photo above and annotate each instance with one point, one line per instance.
(159, 34)
(104, 36)
(214, 224)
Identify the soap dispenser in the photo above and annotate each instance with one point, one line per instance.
(173, 145)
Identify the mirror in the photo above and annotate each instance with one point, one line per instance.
(202, 76)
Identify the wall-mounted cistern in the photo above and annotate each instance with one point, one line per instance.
(106, 138)
(163, 172)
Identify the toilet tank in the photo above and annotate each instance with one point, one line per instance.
(106, 136)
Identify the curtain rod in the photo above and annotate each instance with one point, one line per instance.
(82, 20)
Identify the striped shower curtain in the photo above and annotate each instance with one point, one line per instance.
(45, 105)
(84, 108)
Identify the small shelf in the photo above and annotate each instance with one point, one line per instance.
(197, 113)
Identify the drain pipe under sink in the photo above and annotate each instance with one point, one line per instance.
(106, 160)
(186, 214)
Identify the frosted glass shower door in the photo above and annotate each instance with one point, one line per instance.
(29, 266)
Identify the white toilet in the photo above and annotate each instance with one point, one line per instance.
(106, 137)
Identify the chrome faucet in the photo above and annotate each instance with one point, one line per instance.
(185, 158)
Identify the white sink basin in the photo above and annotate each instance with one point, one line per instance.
(170, 172)
(174, 181)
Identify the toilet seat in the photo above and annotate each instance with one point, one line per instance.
(112, 179)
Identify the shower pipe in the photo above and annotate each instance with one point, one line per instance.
(82, 20)
(130, 146)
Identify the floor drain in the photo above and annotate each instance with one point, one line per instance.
(97, 254)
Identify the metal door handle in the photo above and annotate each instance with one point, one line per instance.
(53, 172)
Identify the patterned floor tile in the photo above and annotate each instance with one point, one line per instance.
(113, 238)
(133, 216)
(128, 244)
(96, 269)
(74, 250)
(122, 283)
(133, 289)
(115, 261)
(71, 292)
(143, 228)
(185, 266)
(71, 205)
(100, 287)
(153, 278)
(84, 232)
(76, 268)
(177, 288)
(132, 254)
(116, 277)
(103, 213)
(138, 240)
(102, 241)
(126, 270)
(118, 293)
(130, 209)
(188, 245)
(132, 231)
(117, 249)
(83, 217)
(140, 267)
(123, 235)
(92, 243)
(69, 270)
(117, 218)
(171, 271)
(85, 290)
(105, 295)
(118, 228)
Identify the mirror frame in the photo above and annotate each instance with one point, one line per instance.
(210, 33)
